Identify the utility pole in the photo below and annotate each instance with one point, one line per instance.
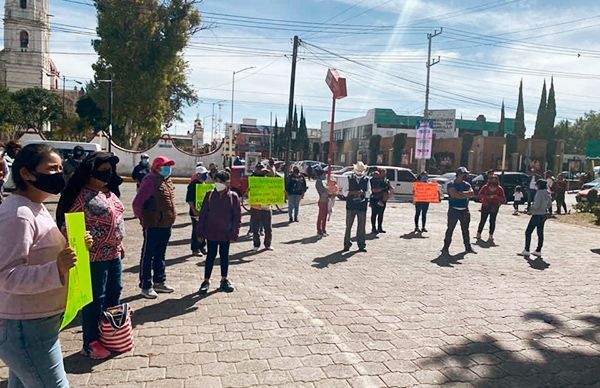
(110, 113)
(271, 136)
(291, 106)
(63, 99)
(421, 163)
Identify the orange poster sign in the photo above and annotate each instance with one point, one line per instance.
(426, 192)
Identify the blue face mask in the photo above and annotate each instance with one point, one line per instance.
(424, 178)
(203, 177)
(166, 171)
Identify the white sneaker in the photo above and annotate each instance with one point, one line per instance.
(269, 248)
(149, 293)
(537, 253)
(163, 288)
(524, 253)
(256, 249)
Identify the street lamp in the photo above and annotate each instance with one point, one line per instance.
(64, 79)
(213, 116)
(232, 101)
(110, 103)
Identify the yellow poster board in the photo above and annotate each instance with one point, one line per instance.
(426, 192)
(80, 280)
(266, 190)
(201, 191)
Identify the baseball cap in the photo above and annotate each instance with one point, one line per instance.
(462, 170)
(200, 170)
(162, 161)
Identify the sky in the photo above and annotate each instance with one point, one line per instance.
(485, 48)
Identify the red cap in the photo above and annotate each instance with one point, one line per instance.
(162, 161)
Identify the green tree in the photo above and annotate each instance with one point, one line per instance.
(467, 144)
(10, 114)
(374, 147)
(542, 117)
(502, 124)
(140, 45)
(398, 146)
(88, 111)
(520, 129)
(551, 110)
(38, 106)
(302, 145)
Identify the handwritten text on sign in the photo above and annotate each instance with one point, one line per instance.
(80, 281)
(426, 192)
(266, 191)
(201, 191)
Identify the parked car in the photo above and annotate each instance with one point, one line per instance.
(304, 164)
(590, 185)
(508, 180)
(401, 179)
(446, 178)
(583, 193)
(342, 170)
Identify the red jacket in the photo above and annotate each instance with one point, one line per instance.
(491, 199)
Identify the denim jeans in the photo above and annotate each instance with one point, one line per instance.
(421, 209)
(106, 289)
(377, 216)
(261, 220)
(536, 222)
(361, 215)
(485, 213)
(294, 205)
(223, 248)
(152, 263)
(31, 350)
(455, 216)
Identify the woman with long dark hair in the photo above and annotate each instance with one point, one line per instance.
(94, 190)
(34, 266)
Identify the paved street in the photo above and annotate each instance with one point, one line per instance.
(307, 315)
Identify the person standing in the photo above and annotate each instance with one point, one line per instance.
(219, 224)
(421, 208)
(72, 163)
(459, 193)
(154, 206)
(295, 188)
(491, 196)
(141, 170)
(533, 177)
(560, 190)
(517, 199)
(212, 172)
(34, 269)
(4, 172)
(549, 176)
(94, 190)
(357, 193)
(261, 217)
(323, 203)
(380, 193)
(197, 245)
(539, 215)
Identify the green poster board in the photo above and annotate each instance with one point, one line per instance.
(201, 191)
(266, 191)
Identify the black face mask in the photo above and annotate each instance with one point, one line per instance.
(103, 176)
(49, 183)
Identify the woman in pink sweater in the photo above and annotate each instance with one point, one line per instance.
(34, 265)
(491, 196)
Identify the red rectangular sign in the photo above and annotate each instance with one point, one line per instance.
(336, 84)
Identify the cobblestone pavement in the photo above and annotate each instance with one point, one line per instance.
(307, 315)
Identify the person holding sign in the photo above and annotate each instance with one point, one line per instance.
(459, 192)
(197, 246)
(94, 190)
(357, 193)
(154, 206)
(422, 204)
(261, 216)
(34, 266)
(491, 196)
(380, 193)
(219, 223)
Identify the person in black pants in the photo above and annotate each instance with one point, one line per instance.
(197, 245)
(539, 215)
(459, 192)
(421, 208)
(380, 193)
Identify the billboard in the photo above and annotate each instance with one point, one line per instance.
(444, 122)
(424, 140)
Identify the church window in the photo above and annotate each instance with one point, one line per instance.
(24, 4)
(24, 38)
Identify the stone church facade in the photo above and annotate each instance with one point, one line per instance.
(25, 60)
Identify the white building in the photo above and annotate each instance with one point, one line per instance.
(25, 60)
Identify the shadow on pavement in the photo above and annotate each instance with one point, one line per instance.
(596, 251)
(485, 244)
(168, 263)
(540, 363)
(332, 259)
(538, 263)
(78, 364)
(181, 226)
(168, 308)
(446, 260)
(306, 240)
(412, 235)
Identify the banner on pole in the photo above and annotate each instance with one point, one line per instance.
(424, 140)
(426, 192)
(201, 191)
(79, 291)
(266, 191)
(252, 159)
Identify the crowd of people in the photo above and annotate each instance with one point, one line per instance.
(34, 267)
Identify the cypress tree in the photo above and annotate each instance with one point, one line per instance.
(276, 138)
(542, 117)
(520, 116)
(551, 110)
(502, 124)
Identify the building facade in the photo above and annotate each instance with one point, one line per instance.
(25, 60)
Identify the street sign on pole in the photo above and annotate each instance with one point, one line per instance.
(424, 140)
(337, 85)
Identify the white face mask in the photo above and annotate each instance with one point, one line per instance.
(220, 186)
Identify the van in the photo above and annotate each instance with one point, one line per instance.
(401, 179)
(64, 148)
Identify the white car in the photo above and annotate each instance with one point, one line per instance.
(443, 181)
(401, 179)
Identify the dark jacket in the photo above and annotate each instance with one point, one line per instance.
(220, 216)
(139, 172)
(357, 202)
(380, 187)
(154, 203)
(296, 185)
